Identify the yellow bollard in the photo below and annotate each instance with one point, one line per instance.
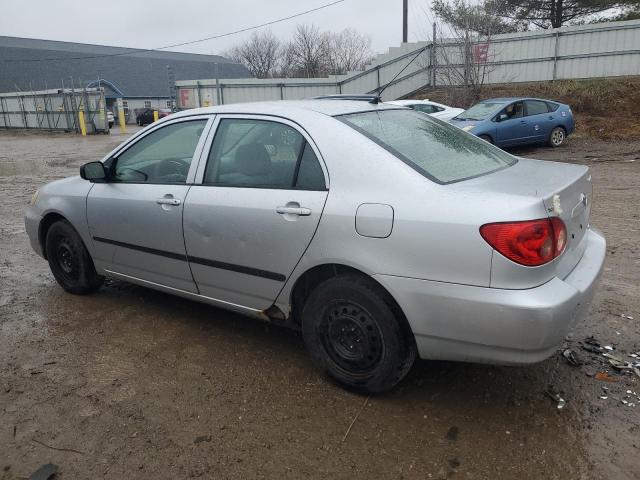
(83, 126)
(155, 115)
(123, 127)
(121, 121)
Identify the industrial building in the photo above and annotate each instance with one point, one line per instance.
(141, 78)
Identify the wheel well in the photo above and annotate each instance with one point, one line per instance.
(48, 220)
(316, 275)
(491, 141)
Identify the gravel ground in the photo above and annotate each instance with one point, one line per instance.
(131, 383)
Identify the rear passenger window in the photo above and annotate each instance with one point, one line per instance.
(261, 154)
(310, 174)
(536, 107)
(552, 106)
(424, 108)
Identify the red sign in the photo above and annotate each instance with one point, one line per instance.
(184, 98)
(480, 52)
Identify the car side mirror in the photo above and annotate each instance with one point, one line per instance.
(501, 117)
(94, 172)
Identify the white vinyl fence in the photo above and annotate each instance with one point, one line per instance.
(587, 51)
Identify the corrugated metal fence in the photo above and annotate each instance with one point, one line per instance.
(54, 110)
(597, 50)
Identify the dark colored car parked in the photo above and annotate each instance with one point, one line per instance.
(517, 121)
(145, 116)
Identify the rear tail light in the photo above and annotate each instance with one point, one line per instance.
(531, 243)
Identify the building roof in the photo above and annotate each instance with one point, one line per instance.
(136, 73)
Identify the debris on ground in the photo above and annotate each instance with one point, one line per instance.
(604, 377)
(560, 402)
(628, 317)
(592, 345)
(45, 472)
(202, 438)
(572, 357)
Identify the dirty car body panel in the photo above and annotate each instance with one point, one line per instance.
(274, 190)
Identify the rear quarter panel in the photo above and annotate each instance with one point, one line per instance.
(435, 232)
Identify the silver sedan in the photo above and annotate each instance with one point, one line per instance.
(379, 232)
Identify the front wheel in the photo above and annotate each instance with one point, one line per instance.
(486, 138)
(355, 334)
(557, 136)
(70, 261)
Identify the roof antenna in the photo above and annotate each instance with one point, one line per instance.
(378, 98)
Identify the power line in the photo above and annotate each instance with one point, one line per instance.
(213, 37)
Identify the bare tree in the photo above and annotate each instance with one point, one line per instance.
(260, 54)
(310, 53)
(307, 53)
(465, 60)
(348, 50)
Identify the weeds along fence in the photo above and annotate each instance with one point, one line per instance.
(576, 52)
(62, 110)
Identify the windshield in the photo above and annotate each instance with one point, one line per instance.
(439, 151)
(479, 111)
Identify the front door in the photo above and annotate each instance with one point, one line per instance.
(135, 218)
(513, 127)
(250, 220)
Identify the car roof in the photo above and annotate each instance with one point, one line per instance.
(408, 102)
(514, 99)
(290, 107)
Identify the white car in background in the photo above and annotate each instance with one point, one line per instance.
(438, 110)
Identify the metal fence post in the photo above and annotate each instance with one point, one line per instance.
(4, 114)
(555, 55)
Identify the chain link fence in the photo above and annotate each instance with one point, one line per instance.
(55, 110)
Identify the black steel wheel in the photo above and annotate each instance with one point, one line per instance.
(69, 260)
(350, 336)
(355, 334)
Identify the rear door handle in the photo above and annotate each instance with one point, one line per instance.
(168, 201)
(301, 211)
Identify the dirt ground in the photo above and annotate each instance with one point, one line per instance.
(132, 383)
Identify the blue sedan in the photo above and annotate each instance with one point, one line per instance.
(508, 122)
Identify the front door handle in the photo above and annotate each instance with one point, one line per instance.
(168, 201)
(301, 211)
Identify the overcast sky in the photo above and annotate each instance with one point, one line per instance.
(155, 23)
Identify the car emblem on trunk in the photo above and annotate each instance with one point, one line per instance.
(584, 199)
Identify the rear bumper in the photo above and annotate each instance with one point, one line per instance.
(491, 325)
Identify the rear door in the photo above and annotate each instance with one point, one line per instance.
(254, 209)
(540, 120)
(135, 219)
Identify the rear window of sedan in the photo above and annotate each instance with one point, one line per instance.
(440, 152)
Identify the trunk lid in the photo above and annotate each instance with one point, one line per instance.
(560, 189)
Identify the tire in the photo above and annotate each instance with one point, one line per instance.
(355, 335)
(557, 137)
(70, 261)
(486, 138)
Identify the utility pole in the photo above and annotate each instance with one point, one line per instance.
(405, 14)
(434, 57)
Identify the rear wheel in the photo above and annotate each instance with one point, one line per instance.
(557, 136)
(355, 335)
(70, 261)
